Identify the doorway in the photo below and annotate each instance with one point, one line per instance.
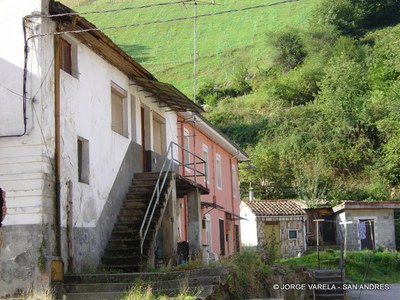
(366, 233)
(222, 237)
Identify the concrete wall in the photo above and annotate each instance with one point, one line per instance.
(248, 226)
(383, 227)
(26, 162)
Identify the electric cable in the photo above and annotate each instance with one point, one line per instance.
(165, 21)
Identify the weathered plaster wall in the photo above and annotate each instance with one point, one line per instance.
(114, 158)
(26, 162)
(383, 227)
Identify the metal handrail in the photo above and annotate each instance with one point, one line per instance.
(161, 180)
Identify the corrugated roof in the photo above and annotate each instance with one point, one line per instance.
(275, 208)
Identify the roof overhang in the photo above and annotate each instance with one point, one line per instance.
(96, 40)
(166, 95)
(357, 205)
(217, 136)
(282, 218)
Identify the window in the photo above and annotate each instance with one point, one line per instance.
(218, 166)
(234, 181)
(292, 234)
(186, 146)
(205, 158)
(159, 134)
(83, 160)
(68, 57)
(65, 56)
(119, 119)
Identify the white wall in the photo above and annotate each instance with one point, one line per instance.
(248, 227)
(86, 112)
(26, 163)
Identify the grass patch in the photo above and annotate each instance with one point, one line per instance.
(166, 49)
(360, 266)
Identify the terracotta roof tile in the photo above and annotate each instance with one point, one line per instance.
(275, 208)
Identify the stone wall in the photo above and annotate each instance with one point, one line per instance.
(288, 247)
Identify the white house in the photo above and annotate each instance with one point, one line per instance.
(278, 224)
(79, 117)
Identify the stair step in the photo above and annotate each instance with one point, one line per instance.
(177, 283)
(96, 287)
(94, 296)
(127, 268)
(149, 175)
(122, 260)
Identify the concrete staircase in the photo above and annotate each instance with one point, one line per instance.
(328, 284)
(201, 282)
(122, 253)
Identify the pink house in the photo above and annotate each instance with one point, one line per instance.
(220, 233)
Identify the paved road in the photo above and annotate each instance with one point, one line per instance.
(392, 294)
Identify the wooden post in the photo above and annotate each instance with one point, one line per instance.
(318, 220)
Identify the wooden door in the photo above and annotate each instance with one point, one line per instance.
(272, 238)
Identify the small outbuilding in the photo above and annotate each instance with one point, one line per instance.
(366, 225)
(278, 223)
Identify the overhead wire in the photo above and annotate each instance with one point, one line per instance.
(113, 10)
(166, 20)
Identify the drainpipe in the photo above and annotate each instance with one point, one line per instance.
(57, 143)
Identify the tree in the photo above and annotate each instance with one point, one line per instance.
(290, 50)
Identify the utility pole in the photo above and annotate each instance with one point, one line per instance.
(194, 50)
(318, 220)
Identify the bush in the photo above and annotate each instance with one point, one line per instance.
(290, 50)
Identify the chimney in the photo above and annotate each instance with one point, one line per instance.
(251, 193)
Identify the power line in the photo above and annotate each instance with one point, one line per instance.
(167, 20)
(112, 10)
(11, 91)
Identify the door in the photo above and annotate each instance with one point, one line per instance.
(222, 237)
(366, 233)
(142, 124)
(272, 239)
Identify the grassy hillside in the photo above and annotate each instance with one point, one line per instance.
(224, 42)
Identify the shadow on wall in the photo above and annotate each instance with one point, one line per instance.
(11, 100)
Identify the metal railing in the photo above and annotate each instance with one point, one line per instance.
(171, 163)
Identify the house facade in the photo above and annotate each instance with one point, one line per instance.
(366, 225)
(82, 118)
(220, 212)
(280, 226)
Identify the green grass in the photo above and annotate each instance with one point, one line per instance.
(360, 266)
(224, 42)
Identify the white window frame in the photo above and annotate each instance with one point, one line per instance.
(218, 171)
(186, 146)
(206, 159)
(234, 181)
(122, 95)
(293, 230)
